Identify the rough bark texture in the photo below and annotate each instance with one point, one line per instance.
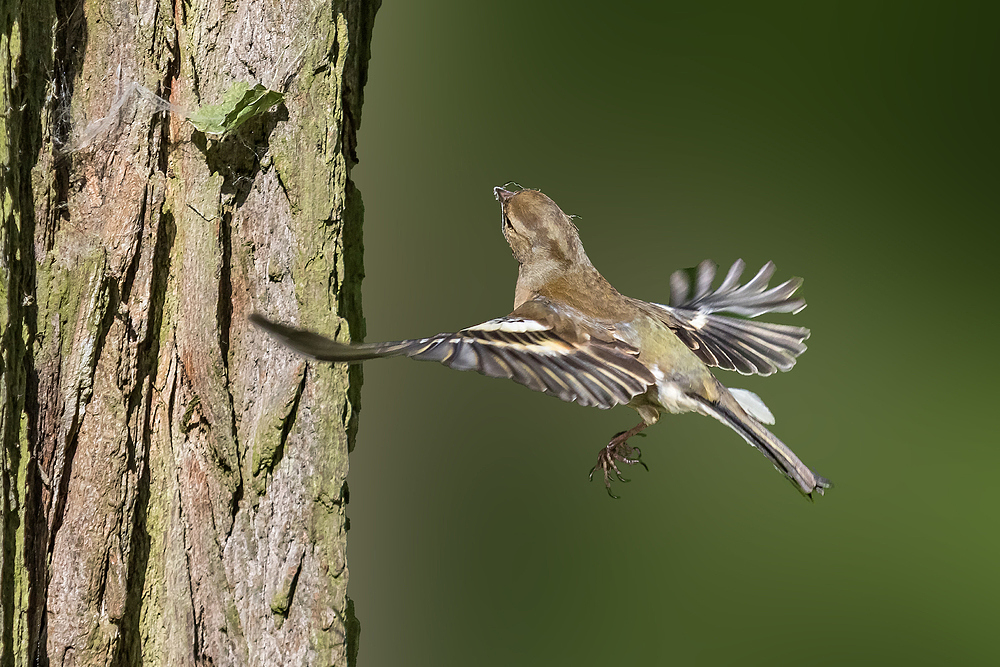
(173, 485)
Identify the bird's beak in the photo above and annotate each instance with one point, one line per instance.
(503, 196)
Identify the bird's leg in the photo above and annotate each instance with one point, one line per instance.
(619, 450)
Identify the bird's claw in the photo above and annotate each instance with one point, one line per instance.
(618, 450)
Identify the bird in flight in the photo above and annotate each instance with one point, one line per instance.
(574, 336)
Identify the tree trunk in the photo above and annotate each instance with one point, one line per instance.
(173, 484)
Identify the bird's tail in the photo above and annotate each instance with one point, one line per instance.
(729, 412)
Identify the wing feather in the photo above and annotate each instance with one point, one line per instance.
(547, 352)
(735, 343)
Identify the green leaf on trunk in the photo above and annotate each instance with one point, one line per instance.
(239, 104)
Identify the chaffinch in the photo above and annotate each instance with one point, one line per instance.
(574, 336)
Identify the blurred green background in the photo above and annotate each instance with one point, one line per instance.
(856, 145)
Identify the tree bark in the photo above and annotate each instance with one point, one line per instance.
(174, 486)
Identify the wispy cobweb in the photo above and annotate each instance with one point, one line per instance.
(96, 130)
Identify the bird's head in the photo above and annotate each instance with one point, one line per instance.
(537, 229)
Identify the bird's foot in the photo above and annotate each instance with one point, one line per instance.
(617, 451)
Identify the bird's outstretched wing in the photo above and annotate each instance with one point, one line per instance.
(735, 343)
(537, 345)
